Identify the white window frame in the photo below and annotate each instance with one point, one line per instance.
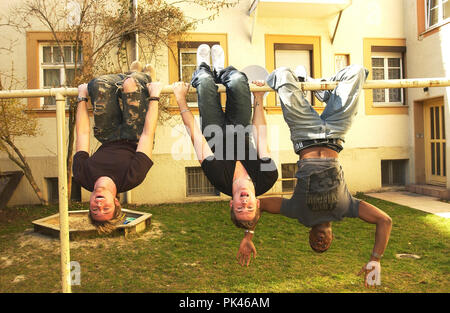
(60, 66)
(181, 51)
(440, 8)
(386, 56)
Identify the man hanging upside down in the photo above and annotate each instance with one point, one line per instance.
(125, 108)
(321, 194)
(223, 146)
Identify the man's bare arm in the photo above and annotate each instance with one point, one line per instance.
(373, 215)
(145, 144)
(259, 123)
(271, 204)
(82, 126)
(201, 146)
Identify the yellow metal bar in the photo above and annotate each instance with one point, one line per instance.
(62, 186)
(33, 93)
(325, 85)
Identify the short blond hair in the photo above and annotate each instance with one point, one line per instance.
(250, 225)
(107, 227)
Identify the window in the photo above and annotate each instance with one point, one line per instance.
(436, 11)
(183, 60)
(197, 184)
(288, 171)
(188, 64)
(281, 49)
(393, 172)
(291, 56)
(387, 65)
(53, 192)
(341, 61)
(392, 48)
(51, 72)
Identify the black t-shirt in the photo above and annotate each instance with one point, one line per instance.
(117, 160)
(219, 169)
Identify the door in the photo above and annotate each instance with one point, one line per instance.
(291, 58)
(435, 142)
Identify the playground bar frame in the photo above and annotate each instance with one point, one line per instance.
(60, 95)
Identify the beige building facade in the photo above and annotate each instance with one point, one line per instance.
(389, 143)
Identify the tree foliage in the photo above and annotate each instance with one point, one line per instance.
(15, 122)
(104, 29)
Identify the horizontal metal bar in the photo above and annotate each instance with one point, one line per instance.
(324, 85)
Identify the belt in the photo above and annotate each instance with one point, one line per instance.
(333, 143)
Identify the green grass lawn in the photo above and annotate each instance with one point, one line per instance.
(192, 248)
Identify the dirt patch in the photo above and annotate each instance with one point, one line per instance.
(5, 262)
(42, 242)
(76, 222)
(18, 279)
(33, 245)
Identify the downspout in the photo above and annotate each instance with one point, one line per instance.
(336, 27)
(253, 10)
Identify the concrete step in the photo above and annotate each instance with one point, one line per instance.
(430, 190)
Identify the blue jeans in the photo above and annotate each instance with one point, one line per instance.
(115, 117)
(341, 106)
(238, 108)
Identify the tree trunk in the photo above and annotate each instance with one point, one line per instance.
(27, 171)
(23, 164)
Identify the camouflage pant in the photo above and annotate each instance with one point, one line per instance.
(116, 117)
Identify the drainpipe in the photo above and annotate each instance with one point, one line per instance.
(134, 41)
(135, 57)
(253, 10)
(336, 27)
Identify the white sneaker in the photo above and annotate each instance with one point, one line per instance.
(321, 95)
(218, 58)
(203, 54)
(300, 72)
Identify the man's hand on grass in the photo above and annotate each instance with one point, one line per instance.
(372, 274)
(246, 250)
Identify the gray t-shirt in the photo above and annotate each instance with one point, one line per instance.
(321, 194)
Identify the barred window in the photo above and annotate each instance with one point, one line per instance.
(197, 184)
(288, 171)
(53, 191)
(393, 172)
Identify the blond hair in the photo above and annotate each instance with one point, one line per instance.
(107, 227)
(250, 225)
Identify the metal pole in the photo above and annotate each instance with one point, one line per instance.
(324, 85)
(62, 186)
